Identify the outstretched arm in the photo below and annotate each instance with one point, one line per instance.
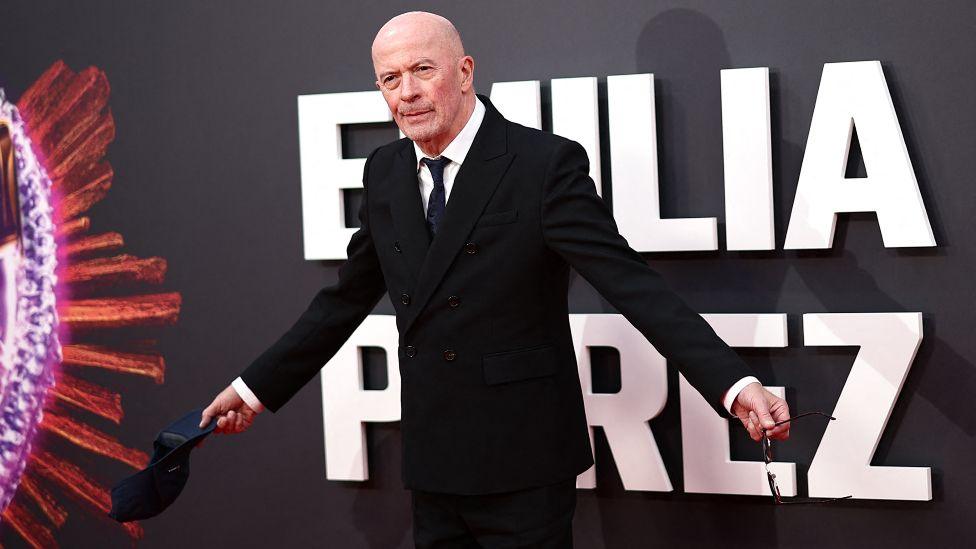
(331, 317)
(578, 225)
(328, 321)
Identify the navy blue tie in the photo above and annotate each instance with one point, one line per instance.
(437, 200)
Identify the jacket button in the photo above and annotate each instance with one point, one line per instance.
(410, 351)
(405, 299)
(454, 301)
(396, 246)
(471, 248)
(449, 355)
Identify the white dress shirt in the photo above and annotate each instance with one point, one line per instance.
(457, 151)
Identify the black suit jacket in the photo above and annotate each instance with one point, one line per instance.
(490, 393)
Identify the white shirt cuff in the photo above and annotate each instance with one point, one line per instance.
(734, 391)
(247, 395)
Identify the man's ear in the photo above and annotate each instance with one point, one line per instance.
(466, 65)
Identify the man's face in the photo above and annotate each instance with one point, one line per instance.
(422, 82)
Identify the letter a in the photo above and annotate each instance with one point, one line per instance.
(856, 93)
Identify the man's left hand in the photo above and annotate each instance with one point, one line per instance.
(758, 408)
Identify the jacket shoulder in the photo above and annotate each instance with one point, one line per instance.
(541, 143)
(386, 153)
(381, 160)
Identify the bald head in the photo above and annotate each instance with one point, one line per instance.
(436, 31)
(425, 76)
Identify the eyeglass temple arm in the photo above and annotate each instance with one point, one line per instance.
(794, 417)
(803, 415)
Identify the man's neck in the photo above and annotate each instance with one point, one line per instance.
(435, 147)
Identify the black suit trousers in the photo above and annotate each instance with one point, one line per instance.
(538, 518)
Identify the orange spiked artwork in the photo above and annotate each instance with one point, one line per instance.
(69, 126)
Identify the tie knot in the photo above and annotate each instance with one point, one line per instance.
(436, 167)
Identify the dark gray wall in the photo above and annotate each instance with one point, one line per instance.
(207, 176)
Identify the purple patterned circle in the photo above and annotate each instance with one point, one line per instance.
(28, 374)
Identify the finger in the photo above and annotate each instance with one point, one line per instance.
(747, 425)
(781, 432)
(222, 424)
(778, 430)
(754, 434)
(210, 412)
(762, 411)
(756, 426)
(751, 427)
(206, 416)
(246, 418)
(780, 411)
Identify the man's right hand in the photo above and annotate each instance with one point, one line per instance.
(233, 415)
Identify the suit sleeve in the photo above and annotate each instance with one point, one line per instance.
(328, 321)
(578, 225)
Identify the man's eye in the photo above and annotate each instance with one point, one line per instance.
(423, 68)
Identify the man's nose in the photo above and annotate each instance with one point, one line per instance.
(408, 89)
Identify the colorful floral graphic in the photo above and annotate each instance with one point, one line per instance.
(55, 282)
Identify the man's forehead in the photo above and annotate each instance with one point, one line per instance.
(405, 53)
(398, 40)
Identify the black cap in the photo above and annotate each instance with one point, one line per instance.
(150, 491)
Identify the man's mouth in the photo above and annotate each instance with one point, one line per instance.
(414, 114)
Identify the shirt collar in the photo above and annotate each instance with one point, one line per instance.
(457, 149)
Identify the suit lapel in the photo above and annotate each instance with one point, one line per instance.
(407, 209)
(483, 168)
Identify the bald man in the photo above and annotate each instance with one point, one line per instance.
(493, 428)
